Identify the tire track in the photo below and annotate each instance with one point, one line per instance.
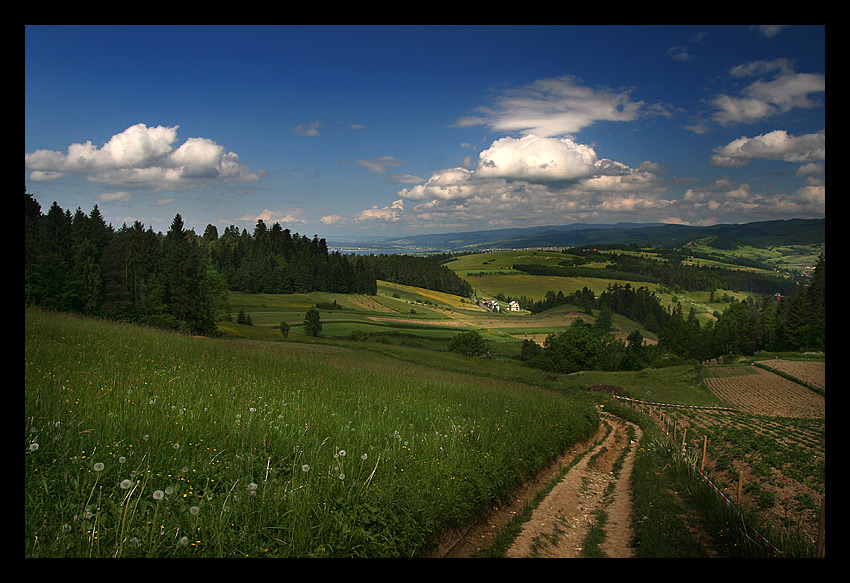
(559, 525)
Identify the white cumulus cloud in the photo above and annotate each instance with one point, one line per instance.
(391, 213)
(143, 156)
(539, 159)
(768, 96)
(775, 145)
(536, 178)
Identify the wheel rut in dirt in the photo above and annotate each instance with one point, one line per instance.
(559, 524)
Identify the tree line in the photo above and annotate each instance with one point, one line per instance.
(671, 272)
(636, 303)
(75, 262)
(793, 323)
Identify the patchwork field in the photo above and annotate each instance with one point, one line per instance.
(760, 392)
(773, 439)
(398, 309)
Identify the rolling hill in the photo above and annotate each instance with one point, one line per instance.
(779, 232)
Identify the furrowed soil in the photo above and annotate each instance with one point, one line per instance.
(559, 524)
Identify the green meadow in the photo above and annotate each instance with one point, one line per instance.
(370, 440)
(144, 443)
(491, 275)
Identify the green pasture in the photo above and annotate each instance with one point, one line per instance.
(402, 314)
(535, 287)
(392, 301)
(675, 385)
(145, 443)
(503, 260)
(781, 257)
(699, 301)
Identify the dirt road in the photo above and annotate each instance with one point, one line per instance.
(559, 525)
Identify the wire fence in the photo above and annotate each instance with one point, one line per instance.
(655, 411)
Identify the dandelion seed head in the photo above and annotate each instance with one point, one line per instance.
(305, 468)
(33, 447)
(125, 484)
(158, 494)
(194, 510)
(98, 467)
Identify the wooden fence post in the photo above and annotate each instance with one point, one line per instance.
(740, 486)
(704, 444)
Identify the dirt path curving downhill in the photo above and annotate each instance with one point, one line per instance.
(558, 526)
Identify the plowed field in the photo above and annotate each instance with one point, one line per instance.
(774, 439)
(760, 392)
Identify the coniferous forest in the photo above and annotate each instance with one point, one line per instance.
(75, 262)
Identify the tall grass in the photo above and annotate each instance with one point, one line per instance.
(144, 443)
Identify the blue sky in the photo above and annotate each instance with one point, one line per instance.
(371, 131)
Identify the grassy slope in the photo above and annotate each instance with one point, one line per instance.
(414, 326)
(213, 419)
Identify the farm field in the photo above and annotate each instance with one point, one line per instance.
(784, 258)
(811, 373)
(490, 275)
(773, 438)
(399, 309)
(397, 305)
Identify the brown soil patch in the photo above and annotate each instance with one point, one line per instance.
(811, 372)
(764, 393)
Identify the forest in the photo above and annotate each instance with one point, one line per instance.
(75, 262)
(791, 323)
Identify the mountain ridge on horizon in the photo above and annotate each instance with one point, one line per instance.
(786, 231)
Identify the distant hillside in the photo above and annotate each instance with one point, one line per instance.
(762, 234)
(501, 237)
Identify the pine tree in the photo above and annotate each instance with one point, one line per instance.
(312, 322)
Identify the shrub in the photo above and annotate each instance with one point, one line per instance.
(469, 343)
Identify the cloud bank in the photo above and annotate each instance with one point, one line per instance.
(775, 145)
(535, 178)
(540, 173)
